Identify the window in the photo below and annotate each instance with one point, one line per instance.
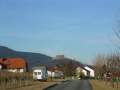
(35, 73)
(39, 73)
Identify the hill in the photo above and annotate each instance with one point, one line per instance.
(67, 61)
(32, 58)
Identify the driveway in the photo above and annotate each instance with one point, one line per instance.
(73, 85)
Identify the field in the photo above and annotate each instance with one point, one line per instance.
(101, 85)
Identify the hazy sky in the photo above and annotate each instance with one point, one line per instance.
(76, 28)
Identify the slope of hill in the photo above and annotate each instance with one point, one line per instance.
(67, 61)
(32, 58)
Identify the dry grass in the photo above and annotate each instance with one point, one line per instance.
(101, 85)
(38, 85)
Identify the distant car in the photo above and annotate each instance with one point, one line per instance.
(40, 73)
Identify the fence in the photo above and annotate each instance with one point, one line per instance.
(14, 80)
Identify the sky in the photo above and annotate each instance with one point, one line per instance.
(79, 29)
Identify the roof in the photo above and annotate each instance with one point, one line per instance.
(39, 67)
(55, 68)
(83, 68)
(90, 66)
(13, 63)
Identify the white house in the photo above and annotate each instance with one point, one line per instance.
(55, 71)
(81, 70)
(91, 70)
(86, 70)
(55, 74)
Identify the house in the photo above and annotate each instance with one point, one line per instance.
(55, 72)
(91, 70)
(13, 64)
(82, 72)
(86, 71)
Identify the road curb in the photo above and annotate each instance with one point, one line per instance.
(50, 86)
(55, 84)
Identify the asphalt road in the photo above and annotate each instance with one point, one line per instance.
(73, 85)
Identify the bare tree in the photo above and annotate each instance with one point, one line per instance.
(113, 62)
(100, 65)
(109, 63)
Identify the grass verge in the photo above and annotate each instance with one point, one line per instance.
(100, 85)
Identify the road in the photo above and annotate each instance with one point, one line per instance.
(73, 85)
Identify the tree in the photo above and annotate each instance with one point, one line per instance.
(68, 69)
(109, 63)
(113, 62)
(100, 65)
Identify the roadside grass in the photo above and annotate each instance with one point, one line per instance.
(39, 85)
(100, 85)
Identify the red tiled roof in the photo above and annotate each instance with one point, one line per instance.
(13, 63)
